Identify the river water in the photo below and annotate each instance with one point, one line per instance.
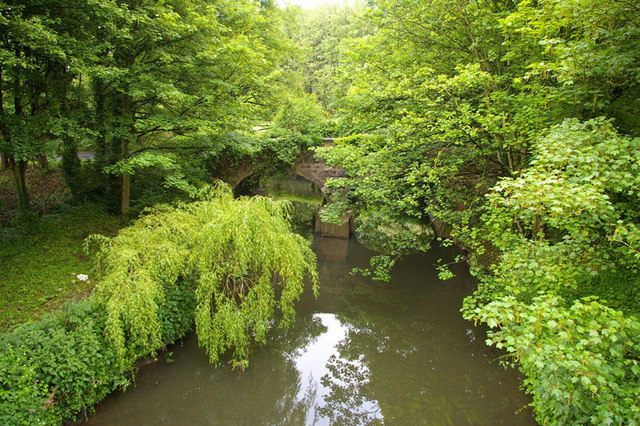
(362, 353)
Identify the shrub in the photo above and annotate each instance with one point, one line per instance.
(57, 367)
(582, 362)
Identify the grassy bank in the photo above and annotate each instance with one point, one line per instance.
(39, 262)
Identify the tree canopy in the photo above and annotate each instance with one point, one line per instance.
(510, 122)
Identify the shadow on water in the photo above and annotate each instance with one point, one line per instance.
(362, 353)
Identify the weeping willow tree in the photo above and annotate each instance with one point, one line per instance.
(236, 258)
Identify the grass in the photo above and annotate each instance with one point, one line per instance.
(39, 266)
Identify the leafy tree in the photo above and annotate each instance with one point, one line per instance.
(46, 47)
(131, 76)
(580, 56)
(300, 123)
(320, 35)
(567, 226)
(176, 73)
(22, 35)
(238, 256)
(511, 122)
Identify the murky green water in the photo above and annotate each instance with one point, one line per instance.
(362, 353)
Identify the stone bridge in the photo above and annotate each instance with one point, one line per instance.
(307, 167)
(313, 170)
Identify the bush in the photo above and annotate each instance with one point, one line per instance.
(582, 362)
(567, 226)
(23, 397)
(57, 368)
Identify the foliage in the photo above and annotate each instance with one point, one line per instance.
(57, 367)
(567, 225)
(123, 77)
(570, 217)
(21, 391)
(228, 264)
(237, 256)
(581, 56)
(433, 114)
(300, 123)
(320, 34)
(510, 122)
(582, 362)
(165, 163)
(389, 201)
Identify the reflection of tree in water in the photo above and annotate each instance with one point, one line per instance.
(349, 399)
(411, 356)
(399, 352)
(290, 409)
(341, 395)
(303, 217)
(293, 340)
(269, 392)
(407, 357)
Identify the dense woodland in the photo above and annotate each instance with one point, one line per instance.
(514, 123)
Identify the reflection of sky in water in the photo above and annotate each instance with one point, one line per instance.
(318, 380)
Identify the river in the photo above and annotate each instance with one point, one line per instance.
(363, 352)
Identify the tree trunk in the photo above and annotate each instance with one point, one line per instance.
(4, 158)
(19, 168)
(43, 160)
(102, 151)
(127, 109)
(41, 157)
(126, 197)
(71, 167)
(108, 143)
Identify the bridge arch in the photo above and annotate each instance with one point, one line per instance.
(310, 169)
(307, 167)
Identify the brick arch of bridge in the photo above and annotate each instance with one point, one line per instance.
(307, 167)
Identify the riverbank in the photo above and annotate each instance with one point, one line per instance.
(41, 261)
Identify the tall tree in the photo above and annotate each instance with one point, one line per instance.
(512, 121)
(177, 73)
